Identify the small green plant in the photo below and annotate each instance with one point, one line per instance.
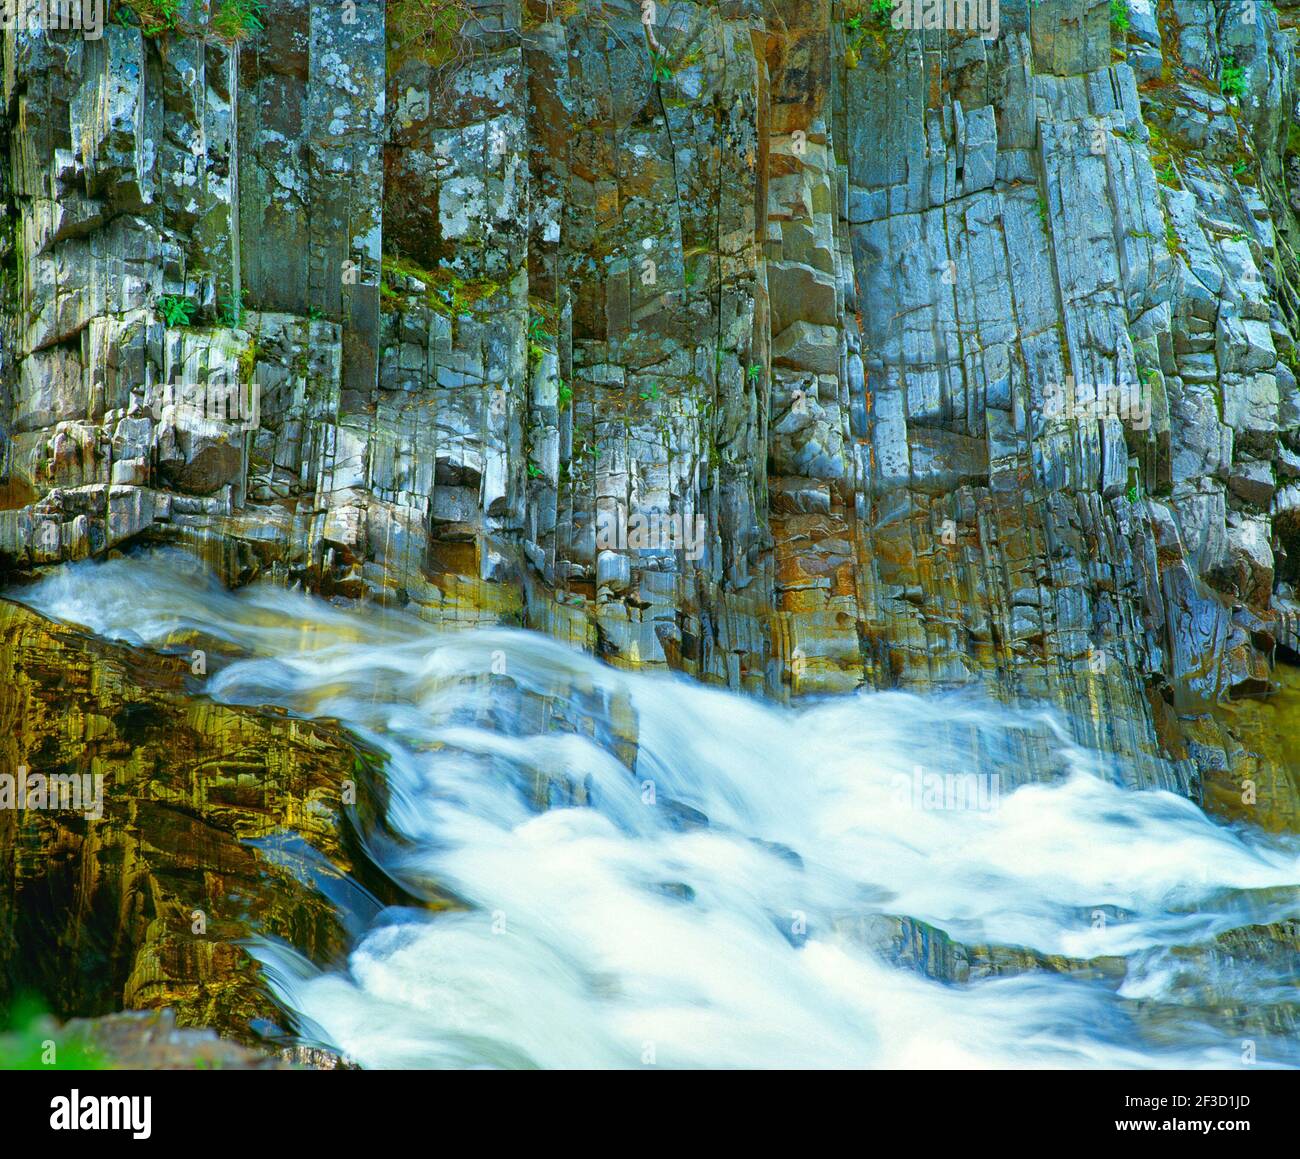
(533, 470)
(1232, 80)
(1291, 356)
(445, 291)
(651, 395)
(1240, 168)
(659, 68)
(753, 372)
(175, 311)
(314, 314)
(151, 16)
(856, 35)
(237, 19)
(1168, 175)
(232, 311)
(1119, 16)
(1042, 209)
(537, 348)
(583, 451)
(431, 29)
(31, 1042)
(248, 362)
(564, 395)
(876, 29)
(1133, 493)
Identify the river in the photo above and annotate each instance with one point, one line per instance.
(646, 871)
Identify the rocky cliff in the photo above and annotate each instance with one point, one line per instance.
(971, 359)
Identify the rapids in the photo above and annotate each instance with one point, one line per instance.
(710, 906)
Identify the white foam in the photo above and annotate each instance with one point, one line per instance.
(624, 933)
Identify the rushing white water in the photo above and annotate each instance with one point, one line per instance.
(705, 908)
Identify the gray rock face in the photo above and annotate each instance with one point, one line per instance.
(971, 360)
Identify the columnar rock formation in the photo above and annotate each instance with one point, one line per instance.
(974, 358)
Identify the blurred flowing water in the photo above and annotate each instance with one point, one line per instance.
(649, 871)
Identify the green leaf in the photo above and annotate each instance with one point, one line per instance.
(175, 311)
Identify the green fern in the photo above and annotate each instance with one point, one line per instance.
(232, 311)
(151, 16)
(175, 311)
(237, 19)
(1232, 80)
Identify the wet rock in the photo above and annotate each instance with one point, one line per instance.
(197, 826)
(872, 325)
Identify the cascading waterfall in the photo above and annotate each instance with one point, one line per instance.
(649, 871)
